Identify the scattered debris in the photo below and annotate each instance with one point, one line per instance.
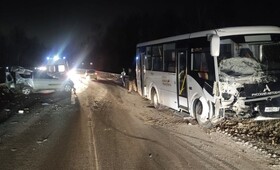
(20, 111)
(7, 110)
(14, 149)
(26, 110)
(260, 135)
(185, 118)
(40, 141)
(95, 105)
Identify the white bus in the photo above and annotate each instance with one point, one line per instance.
(215, 74)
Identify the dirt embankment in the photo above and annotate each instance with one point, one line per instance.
(261, 135)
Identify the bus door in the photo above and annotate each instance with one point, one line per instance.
(182, 78)
(140, 71)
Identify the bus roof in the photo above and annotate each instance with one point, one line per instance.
(221, 32)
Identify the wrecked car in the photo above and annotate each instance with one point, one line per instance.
(29, 81)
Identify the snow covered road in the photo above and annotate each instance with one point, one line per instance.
(108, 128)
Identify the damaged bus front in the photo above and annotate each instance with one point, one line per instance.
(249, 76)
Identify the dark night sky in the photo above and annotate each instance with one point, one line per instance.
(53, 22)
(57, 23)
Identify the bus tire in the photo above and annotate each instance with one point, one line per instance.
(198, 112)
(155, 100)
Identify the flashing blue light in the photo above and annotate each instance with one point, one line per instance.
(64, 58)
(55, 58)
(48, 58)
(137, 58)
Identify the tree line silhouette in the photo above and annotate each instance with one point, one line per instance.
(16, 48)
(113, 47)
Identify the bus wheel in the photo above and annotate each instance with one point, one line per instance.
(155, 100)
(201, 113)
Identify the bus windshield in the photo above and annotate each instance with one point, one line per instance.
(271, 56)
(249, 56)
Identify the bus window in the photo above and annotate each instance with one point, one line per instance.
(225, 51)
(169, 57)
(200, 65)
(203, 64)
(148, 59)
(157, 58)
(200, 62)
(148, 62)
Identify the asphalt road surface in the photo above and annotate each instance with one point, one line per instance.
(108, 128)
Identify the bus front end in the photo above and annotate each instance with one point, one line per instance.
(249, 76)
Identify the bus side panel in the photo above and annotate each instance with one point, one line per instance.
(152, 80)
(169, 90)
(169, 99)
(165, 85)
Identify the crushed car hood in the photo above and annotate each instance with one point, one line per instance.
(244, 71)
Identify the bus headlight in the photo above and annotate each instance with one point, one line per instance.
(226, 96)
(227, 99)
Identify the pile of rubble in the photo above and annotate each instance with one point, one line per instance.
(262, 135)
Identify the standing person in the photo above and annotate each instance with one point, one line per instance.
(123, 74)
(131, 78)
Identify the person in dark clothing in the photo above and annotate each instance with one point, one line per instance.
(131, 79)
